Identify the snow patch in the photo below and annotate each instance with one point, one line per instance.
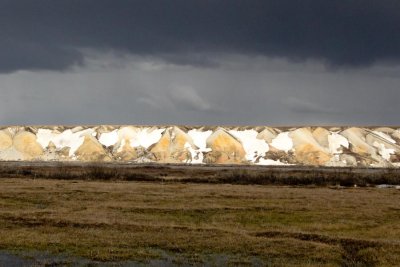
(44, 136)
(109, 139)
(282, 142)
(65, 139)
(254, 147)
(200, 140)
(144, 137)
(196, 155)
(126, 133)
(383, 151)
(335, 141)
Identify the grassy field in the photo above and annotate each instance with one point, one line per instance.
(277, 225)
(199, 173)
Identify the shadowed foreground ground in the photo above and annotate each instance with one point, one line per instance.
(244, 224)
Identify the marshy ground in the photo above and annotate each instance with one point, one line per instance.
(188, 223)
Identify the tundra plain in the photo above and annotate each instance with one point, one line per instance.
(199, 223)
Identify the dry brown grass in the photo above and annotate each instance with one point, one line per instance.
(199, 173)
(136, 220)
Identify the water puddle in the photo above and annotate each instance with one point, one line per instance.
(18, 259)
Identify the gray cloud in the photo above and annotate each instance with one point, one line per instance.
(199, 62)
(143, 91)
(48, 34)
(304, 106)
(188, 97)
(25, 55)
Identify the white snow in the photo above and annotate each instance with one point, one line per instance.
(144, 137)
(336, 141)
(64, 139)
(109, 139)
(199, 139)
(44, 136)
(197, 156)
(254, 147)
(283, 142)
(383, 151)
(126, 133)
(385, 136)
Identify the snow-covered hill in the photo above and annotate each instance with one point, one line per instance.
(322, 146)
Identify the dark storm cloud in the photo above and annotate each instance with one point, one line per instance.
(170, 94)
(48, 34)
(24, 55)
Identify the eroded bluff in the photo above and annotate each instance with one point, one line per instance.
(262, 145)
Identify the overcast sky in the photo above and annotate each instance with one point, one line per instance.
(243, 62)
